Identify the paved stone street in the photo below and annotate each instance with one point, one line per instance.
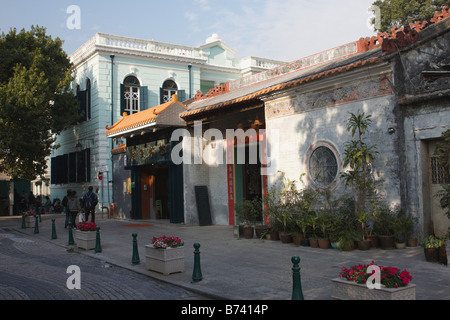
(233, 269)
(37, 270)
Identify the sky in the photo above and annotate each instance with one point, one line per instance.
(281, 30)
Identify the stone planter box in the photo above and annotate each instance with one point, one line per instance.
(30, 222)
(349, 290)
(165, 261)
(85, 239)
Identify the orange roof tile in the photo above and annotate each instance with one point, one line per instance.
(139, 119)
(278, 87)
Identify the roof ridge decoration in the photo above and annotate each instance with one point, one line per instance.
(400, 37)
(216, 91)
(389, 43)
(275, 88)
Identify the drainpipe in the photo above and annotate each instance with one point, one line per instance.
(112, 123)
(190, 81)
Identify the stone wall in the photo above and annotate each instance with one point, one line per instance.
(307, 118)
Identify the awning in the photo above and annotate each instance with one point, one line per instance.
(164, 115)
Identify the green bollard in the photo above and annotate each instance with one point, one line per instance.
(197, 273)
(53, 230)
(23, 222)
(98, 246)
(135, 259)
(36, 226)
(71, 241)
(297, 293)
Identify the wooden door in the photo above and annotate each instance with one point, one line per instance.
(147, 194)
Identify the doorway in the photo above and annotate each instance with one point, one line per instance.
(161, 198)
(437, 176)
(248, 178)
(155, 192)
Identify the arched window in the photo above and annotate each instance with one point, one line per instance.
(168, 89)
(130, 95)
(323, 166)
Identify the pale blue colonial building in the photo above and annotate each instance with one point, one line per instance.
(116, 75)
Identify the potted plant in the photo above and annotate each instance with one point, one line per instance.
(165, 255)
(285, 220)
(390, 283)
(297, 238)
(302, 221)
(402, 227)
(247, 213)
(443, 251)
(273, 205)
(335, 232)
(260, 230)
(85, 235)
(347, 240)
(431, 246)
(29, 218)
(324, 222)
(384, 227)
(363, 243)
(313, 239)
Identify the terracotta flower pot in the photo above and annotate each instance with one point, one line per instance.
(412, 242)
(443, 253)
(248, 232)
(297, 240)
(374, 241)
(364, 244)
(259, 231)
(387, 242)
(285, 237)
(314, 242)
(324, 243)
(431, 254)
(274, 236)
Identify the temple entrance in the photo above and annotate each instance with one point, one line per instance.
(248, 178)
(439, 222)
(155, 192)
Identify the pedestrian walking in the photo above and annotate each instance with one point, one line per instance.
(90, 200)
(24, 202)
(66, 206)
(47, 204)
(74, 207)
(38, 205)
(32, 201)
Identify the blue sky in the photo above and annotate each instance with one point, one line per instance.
(283, 30)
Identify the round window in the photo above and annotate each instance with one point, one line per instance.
(323, 166)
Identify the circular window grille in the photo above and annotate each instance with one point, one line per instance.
(323, 166)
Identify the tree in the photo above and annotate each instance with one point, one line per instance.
(36, 102)
(358, 156)
(398, 13)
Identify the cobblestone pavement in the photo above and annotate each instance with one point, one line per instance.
(36, 270)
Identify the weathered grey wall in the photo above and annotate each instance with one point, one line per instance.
(121, 198)
(308, 117)
(425, 112)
